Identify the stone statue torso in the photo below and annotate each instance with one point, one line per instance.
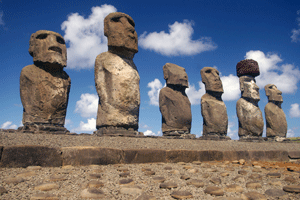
(117, 84)
(276, 121)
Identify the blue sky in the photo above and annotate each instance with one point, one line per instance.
(192, 34)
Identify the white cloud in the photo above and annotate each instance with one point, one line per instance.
(149, 132)
(1, 20)
(296, 32)
(177, 42)
(285, 76)
(195, 95)
(233, 134)
(231, 87)
(87, 106)
(153, 94)
(86, 127)
(9, 125)
(295, 110)
(290, 133)
(85, 37)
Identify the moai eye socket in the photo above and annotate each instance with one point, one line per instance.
(208, 71)
(60, 40)
(42, 36)
(115, 19)
(131, 22)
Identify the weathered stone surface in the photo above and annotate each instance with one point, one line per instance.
(294, 154)
(214, 191)
(23, 156)
(275, 192)
(117, 78)
(181, 195)
(90, 155)
(292, 188)
(144, 156)
(174, 104)
(249, 115)
(44, 86)
(275, 117)
(213, 109)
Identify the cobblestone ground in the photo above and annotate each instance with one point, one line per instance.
(197, 180)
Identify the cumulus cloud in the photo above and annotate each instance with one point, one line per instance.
(85, 36)
(9, 125)
(232, 131)
(153, 94)
(195, 95)
(149, 133)
(231, 87)
(1, 20)
(295, 110)
(296, 32)
(86, 127)
(285, 76)
(290, 133)
(87, 105)
(177, 42)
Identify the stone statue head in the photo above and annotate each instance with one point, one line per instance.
(211, 79)
(120, 32)
(273, 93)
(249, 88)
(247, 67)
(48, 47)
(175, 75)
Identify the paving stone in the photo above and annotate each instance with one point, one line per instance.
(126, 182)
(34, 168)
(227, 198)
(26, 174)
(276, 183)
(290, 179)
(92, 193)
(274, 175)
(229, 169)
(242, 161)
(255, 177)
(168, 185)
(239, 179)
(275, 193)
(95, 184)
(197, 162)
(242, 172)
(146, 197)
(149, 173)
(94, 176)
(159, 179)
(175, 172)
(253, 185)
(185, 177)
(146, 169)
(47, 187)
(44, 196)
(132, 190)
(211, 170)
(123, 170)
(192, 171)
(181, 195)
(168, 168)
(205, 175)
(235, 162)
(56, 177)
(214, 191)
(292, 188)
(253, 196)
(188, 167)
(224, 174)
(14, 180)
(2, 190)
(234, 188)
(125, 174)
(216, 181)
(195, 182)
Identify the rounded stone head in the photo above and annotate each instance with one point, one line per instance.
(249, 88)
(247, 67)
(120, 32)
(273, 93)
(175, 75)
(48, 47)
(211, 78)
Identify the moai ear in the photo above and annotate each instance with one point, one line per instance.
(242, 84)
(166, 71)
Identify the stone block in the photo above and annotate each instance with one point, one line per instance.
(144, 156)
(30, 155)
(174, 156)
(78, 156)
(294, 154)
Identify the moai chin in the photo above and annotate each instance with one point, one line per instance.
(213, 109)
(275, 117)
(174, 104)
(249, 115)
(45, 86)
(117, 79)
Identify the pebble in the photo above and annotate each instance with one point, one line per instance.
(132, 190)
(159, 179)
(253, 185)
(146, 197)
(47, 187)
(214, 191)
(44, 196)
(126, 182)
(181, 195)
(168, 185)
(216, 181)
(196, 183)
(95, 184)
(292, 188)
(275, 193)
(234, 188)
(92, 193)
(253, 195)
(14, 180)
(274, 175)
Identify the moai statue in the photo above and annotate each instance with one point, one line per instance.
(45, 86)
(250, 118)
(174, 104)
(275, 117)
(117, 79)
(213, 109)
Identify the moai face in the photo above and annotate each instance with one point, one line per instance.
(120, 32)
(48, 47)
(175, 75)
(211, 79)
(249, 88)
(273, 93)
